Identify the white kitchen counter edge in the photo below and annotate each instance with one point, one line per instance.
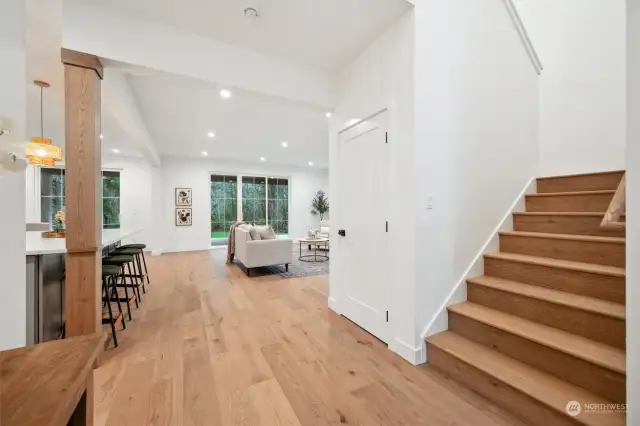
(36, 245)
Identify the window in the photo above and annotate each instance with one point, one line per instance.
(51, 193)
(254, 200)
(224, 204)
(278, 204)
(52, 198)
(110, 200)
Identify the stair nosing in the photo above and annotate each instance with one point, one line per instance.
(572, 193)
(592, 268)
(542, 291)
(547, 235)
(511, 364)
(508, 327)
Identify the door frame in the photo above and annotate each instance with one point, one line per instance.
(338, 304)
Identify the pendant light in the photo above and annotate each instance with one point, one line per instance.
(40, 151)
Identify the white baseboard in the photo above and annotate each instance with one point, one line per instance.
(157, 252)
(415, 356)
(440, 322)
(333, 305)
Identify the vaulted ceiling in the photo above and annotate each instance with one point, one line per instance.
(325, 34)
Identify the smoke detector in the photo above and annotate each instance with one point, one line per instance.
(251, 13)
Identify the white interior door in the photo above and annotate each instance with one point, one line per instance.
(363, 206)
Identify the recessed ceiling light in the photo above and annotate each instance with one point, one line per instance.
(225, 94)
(211, 135)
(101, 136)
(311, 163)
(205, 153)
(116, 151)
(262, 159)
(328, 115)
(284, 144)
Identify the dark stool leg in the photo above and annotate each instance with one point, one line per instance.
(146, 271)
(126, 292)
(114, 295)
(137, 262)
(136, 288)
(110, 320)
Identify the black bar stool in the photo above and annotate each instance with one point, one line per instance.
(144, 261)
(109, 276)
(137, 264)
(123, 261)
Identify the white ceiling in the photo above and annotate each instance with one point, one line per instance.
(325, 34)
(180, 111)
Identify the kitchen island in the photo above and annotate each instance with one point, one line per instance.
(45, 282)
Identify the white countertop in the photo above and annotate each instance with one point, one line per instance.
(36, 245)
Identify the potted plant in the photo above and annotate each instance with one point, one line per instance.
(58, 226)
(320, 204)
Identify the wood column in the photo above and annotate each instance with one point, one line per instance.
(83, 160)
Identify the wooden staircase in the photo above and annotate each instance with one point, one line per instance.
(545, 325)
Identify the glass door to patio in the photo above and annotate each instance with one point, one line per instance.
(224, 207)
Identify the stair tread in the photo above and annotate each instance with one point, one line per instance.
(585, 303)
(608, 172)
(578, 346)
(543, 387)
(582, 214)
(562, 194)
(590, 238)
(558, 263)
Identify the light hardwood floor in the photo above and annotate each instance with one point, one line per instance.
(210, 346)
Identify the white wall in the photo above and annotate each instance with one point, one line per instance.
(382, 77)
(476, 132)
(582, 87)
(136, 197)
(195, 174)
(12, 210)
(633, 212)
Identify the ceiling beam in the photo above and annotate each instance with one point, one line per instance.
(121, 103)
(82, 60)
(111, 34)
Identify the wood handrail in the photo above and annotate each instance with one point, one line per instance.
(617, 207)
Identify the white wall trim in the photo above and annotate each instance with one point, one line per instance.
(459, 292)
(414, 355)
(524, 36)
(333, 305)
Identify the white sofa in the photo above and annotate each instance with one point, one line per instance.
(257, 253)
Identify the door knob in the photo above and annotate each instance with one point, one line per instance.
(342, 232)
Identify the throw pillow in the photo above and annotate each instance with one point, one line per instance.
(266, 232)
(255, 234)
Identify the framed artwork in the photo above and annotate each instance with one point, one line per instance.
(183, 197)
(184, 217)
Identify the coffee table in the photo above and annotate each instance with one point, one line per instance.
(314, 245)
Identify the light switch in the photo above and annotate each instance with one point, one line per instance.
(429, 201)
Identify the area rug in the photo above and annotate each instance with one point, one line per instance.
(296, 269)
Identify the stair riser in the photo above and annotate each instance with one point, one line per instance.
(593, 326)
(519, 404)
(596, 182)
(576, 225)
(605, 287)
(593, 203)
(603, 253)
(607, 383)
